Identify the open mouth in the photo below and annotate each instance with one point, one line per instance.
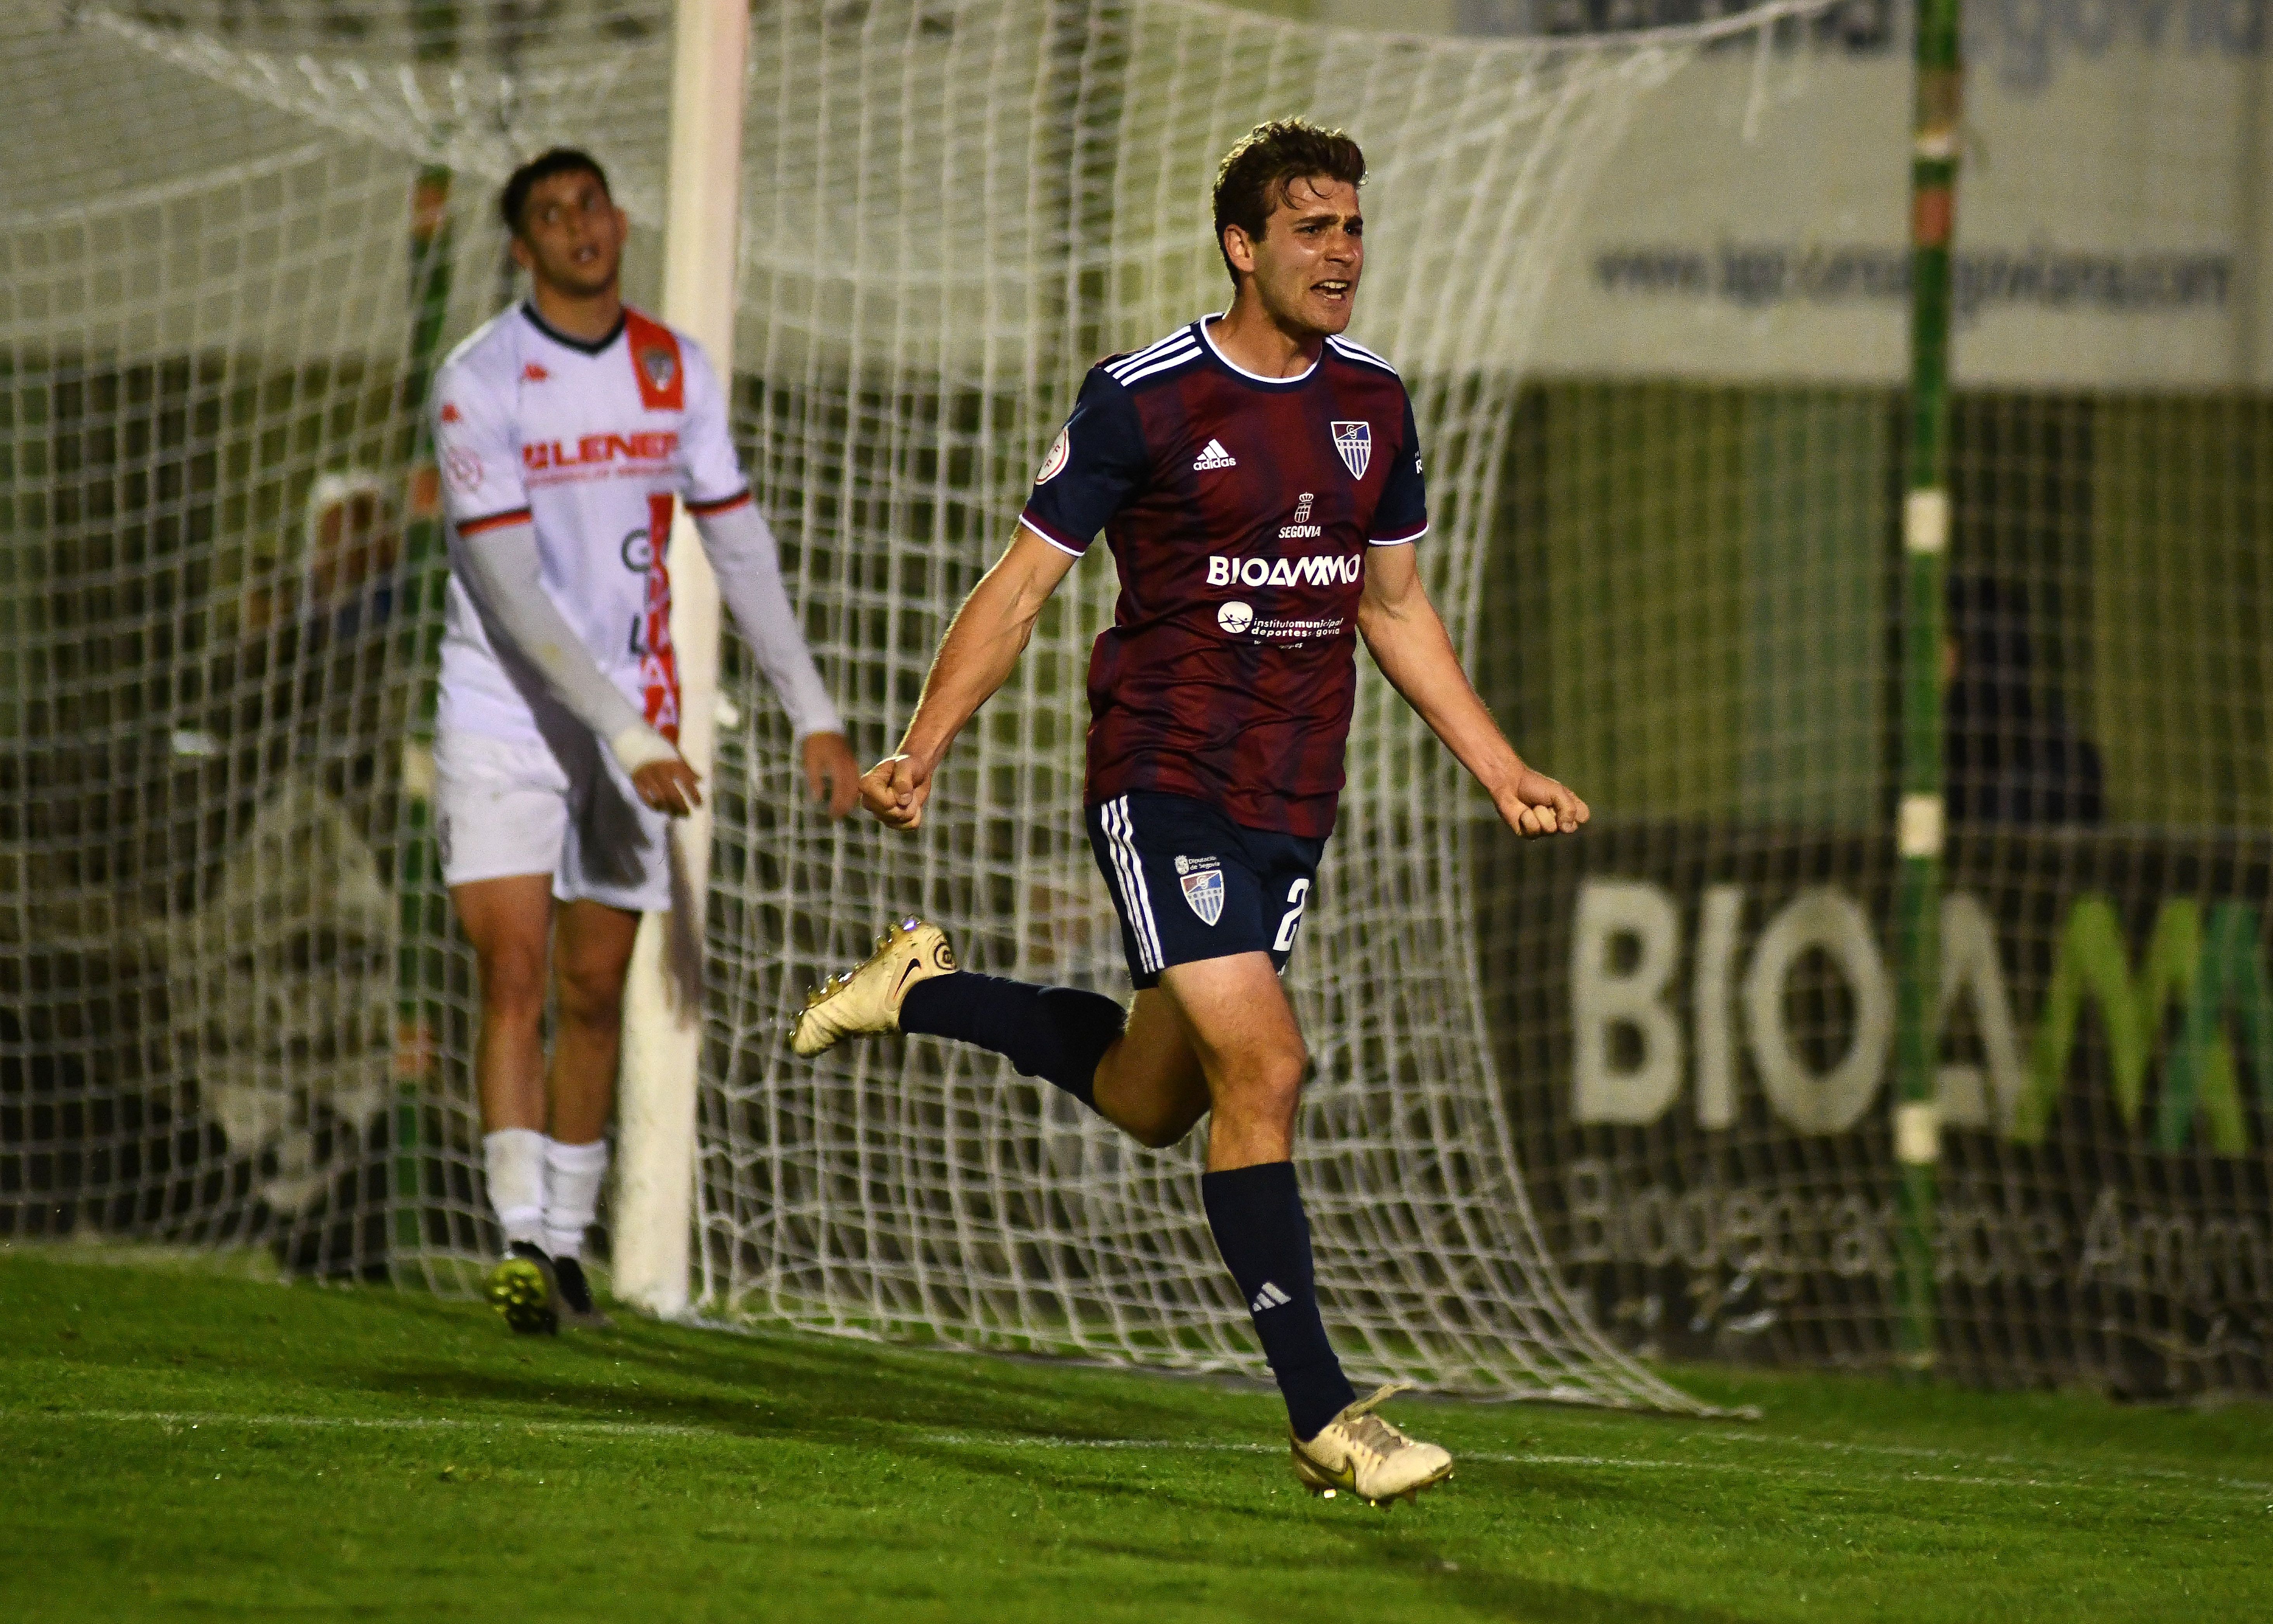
(1331, 289)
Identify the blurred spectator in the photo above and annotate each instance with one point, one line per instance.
(314, 678)
(345, 579)
(2009, 752)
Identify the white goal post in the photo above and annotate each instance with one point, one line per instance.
(663, 1005)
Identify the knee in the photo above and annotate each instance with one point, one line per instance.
(513, 989)
(1271, 1084)
(592, 994)
(1169, 1128)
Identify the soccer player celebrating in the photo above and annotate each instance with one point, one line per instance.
(1258, 478)
(565, 430)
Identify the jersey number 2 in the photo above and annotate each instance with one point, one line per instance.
(1299, 895)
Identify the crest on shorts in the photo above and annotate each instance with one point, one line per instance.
(661, 365)
(1353, 441)
(1204, 892)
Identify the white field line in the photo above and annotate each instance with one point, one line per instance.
(1958, 1458)
(1927, 1452)
(2213, 1486)
(196, 1418)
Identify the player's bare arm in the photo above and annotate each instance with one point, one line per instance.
(1408, 641)
(977, 657)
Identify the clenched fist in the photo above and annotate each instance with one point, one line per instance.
(894, 789)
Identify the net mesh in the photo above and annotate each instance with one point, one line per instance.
(237, 1012)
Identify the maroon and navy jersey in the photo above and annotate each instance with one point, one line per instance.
(1239, 510)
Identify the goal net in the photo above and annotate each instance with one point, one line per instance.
(1688, 604)
(236, 1010)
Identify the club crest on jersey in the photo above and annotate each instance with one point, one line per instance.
(1203, 884)
(1354, 442)
(462, 470)
(661, 365)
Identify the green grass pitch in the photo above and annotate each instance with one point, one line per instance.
(177, 1443)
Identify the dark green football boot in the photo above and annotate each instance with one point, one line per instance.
(521, 1288)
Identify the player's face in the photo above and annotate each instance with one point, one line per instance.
(572, 236)
(1306, 265)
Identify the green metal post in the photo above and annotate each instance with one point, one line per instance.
(418, 1006)
(1926, 545)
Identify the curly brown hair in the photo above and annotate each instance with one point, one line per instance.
(1263, 165)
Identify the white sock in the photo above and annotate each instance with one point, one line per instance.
(572, 1194)
(514, 1158)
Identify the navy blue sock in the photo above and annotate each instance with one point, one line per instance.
(1256, 1215)
(1058, 1034)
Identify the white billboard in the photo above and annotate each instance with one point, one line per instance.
(2111, 217)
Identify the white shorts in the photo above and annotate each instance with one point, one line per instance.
(504, 807)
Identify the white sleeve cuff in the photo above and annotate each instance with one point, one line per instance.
(641, 745)
(1070, 552)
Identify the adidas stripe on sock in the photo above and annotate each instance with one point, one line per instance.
(1260, 1228)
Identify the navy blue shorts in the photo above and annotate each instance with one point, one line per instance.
(1189, 884)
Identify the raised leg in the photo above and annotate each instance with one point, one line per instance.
(1150, 1083)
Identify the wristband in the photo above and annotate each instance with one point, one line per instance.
(641, 745)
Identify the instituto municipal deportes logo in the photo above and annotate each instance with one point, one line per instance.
(1353, 441)
(1234, 617)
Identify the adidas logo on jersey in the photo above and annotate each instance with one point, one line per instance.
(1269, 1297)
(1214, 457)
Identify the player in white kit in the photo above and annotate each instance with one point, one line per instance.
(567, 429)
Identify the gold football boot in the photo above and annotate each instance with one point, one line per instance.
(867, 998)
(1358, 1453)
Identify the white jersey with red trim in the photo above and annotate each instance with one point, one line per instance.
(591, 443)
